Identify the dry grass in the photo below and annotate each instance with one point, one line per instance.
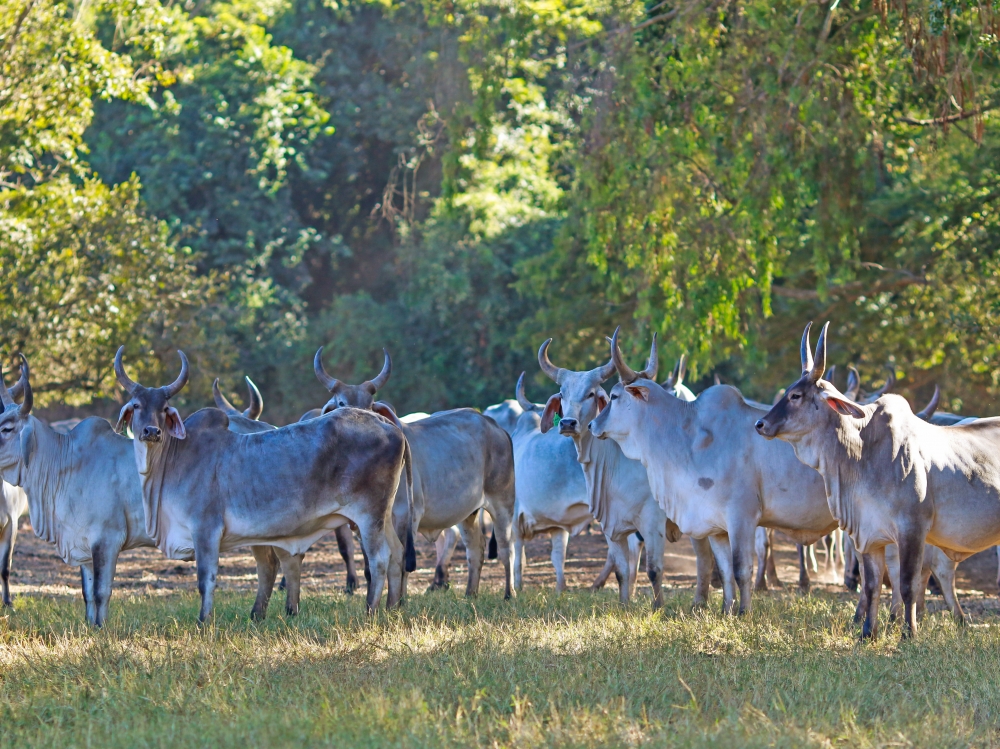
(576, 670)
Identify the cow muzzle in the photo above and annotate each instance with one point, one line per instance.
(151, 434)
(768, 431)
(569, 426)
(596, 430)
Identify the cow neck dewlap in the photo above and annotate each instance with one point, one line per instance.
(51, 460)
(598, 473)
(152, 463)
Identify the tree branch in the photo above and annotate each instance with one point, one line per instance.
(854, 289)
(939, 121)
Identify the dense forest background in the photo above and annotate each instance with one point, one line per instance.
(457, 180)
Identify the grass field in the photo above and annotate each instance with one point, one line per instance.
(575, 670)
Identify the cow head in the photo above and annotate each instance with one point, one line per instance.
(148, 410)
(809, 401)
(629, 400)
(580, 397)
(16, 430)
(252, 411)
(354, 396)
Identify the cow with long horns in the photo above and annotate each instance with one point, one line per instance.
(462, 463)
(710, 473)
(82, 489)
(891, 477)
(206, 489)
(619, 491)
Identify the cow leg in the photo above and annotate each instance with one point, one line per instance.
(105, 563)
(704, 564)
(635, 545)
(874, 564)
(503, 517)
(741, 541)
(267, 571)
(892, 570)
(397, 568)
(724, 562)
(813, 565)
(444, 545)
(291, 566)
(998, 570)
(911, 562)
(761, 546)
(803, 568)
(619, 551)
(7, 537)
(605, 573)
(560, 540)
(519, 560)
(474, 551)
(87, 584)
(772, 570)
(376, 547)
(206, 557)
(944, 570)
(656, 540)
(852, 567)
(345, 545)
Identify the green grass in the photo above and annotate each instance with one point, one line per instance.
(575, 670)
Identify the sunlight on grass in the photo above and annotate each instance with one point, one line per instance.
(575, 670)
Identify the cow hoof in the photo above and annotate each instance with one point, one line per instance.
(289, 611)
(8, 603)
(348, 591)
(257, 616)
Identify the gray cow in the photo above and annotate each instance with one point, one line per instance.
(710, 473)
(206, 489)
(619, 490)
(83, 491)
(463, 463)
(13, 504)
(892, 477)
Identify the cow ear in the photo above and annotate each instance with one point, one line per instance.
(553, 406)
(175, 427)
(383, 410)
(638, 391)
(125, 417)
(27, 443)
(602, 400)
(842, 406)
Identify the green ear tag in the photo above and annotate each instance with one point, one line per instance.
(556, 418)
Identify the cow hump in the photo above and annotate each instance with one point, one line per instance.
(207, 418)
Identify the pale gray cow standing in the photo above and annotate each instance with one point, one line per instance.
(206, 489)
(463, 463)
(13, 505)
(620, 496)
(83, 491)
(710, 472)
(892, 477)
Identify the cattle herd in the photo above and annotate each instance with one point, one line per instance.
(901, 495)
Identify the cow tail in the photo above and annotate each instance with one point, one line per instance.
(410, 550)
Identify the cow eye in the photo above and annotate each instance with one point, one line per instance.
(795, 396)
(614, 396)
(590, 395)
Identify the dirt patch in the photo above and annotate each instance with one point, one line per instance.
(38, 571)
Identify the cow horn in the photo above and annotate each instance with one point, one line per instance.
(328, 382)
(626, 373)
(373, 386)
(551, 370)
(123, 379)
(819, 364)
(522, 399)
(256, 407)
(716, 379)
(829, 374)
(175, 387)
(25, 386)
(853, 383)
(681, 371)
(220, 400)
(17, 389)
(890, 382)
(931, 407)
(805, 351)
(652, 363)
(6, 401)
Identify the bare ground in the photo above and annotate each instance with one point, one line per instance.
(38, 571)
